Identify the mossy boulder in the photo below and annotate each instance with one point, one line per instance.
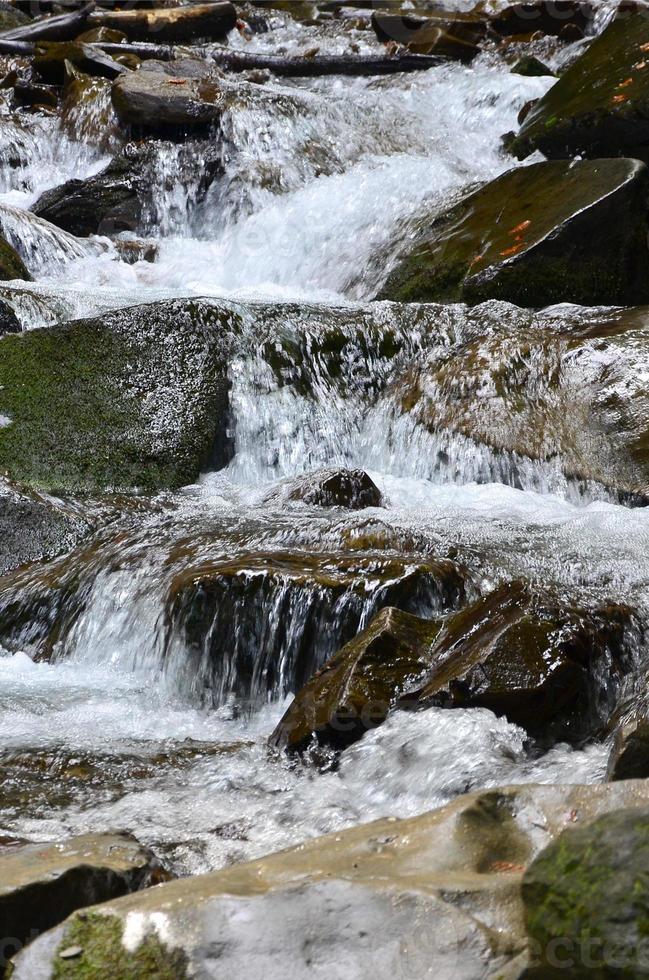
(11, 264)
(586, 901)
(600, 105)
(356, 689)
(133, 399)
(9, 322)
(549, 233)
(41, 884)
(553, 667)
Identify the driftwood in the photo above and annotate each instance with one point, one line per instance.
(173, 25)
(294, 67)
(63, 28)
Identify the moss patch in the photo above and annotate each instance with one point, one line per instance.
(103, 956)
(11, 264)
(135, 399)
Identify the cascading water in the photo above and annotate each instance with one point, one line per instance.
(175, 635)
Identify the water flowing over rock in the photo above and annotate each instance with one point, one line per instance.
(352, 489)
(600, 106)
(11, 265)
(536, 236)
(438, 891)
(136, 399)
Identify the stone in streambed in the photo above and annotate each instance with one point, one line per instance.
(352, 489)
(551, 667)
(41, 884)
(433, 895)
(52, 58)
(600, 105)
(168, 95)
(551, 17)
(454, 36)
(531, 67)
(356, 689)
(586, 898)
(11, 264)
(553, 232)
(132, 399)
(109, 202)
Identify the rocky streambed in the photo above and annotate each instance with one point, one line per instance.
(325, 463)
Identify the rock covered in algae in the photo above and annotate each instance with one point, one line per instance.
(132, 399)
(549, 233)
(600, 105)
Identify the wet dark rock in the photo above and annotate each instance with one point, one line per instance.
(110, 202)
(174, 25)
(352, 489)
(10, 17)
(11, 264)
(629, 757)
(133, 399)
(550, 666)
(29, 94)
(167, 95)
(9, 322)
(550, 233)
(356, 689)
(552, 17)
(52, 57)
(33, 527)
(531, 67)
(455, 36)
(587, 894)
(263, 623)
(41, 884)
(600, 105)
(132, 250)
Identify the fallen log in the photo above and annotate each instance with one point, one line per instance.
(171, 25)
(62, 28)
(293, 67)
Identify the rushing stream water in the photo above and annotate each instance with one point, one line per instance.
(125, 727)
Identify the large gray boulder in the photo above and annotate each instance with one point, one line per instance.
(433, 895)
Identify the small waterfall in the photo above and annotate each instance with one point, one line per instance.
(43, 246)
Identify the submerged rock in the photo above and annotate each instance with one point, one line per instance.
(166, 95)
(587, 899)
(41, 884)
(352, 489)
(553, 667)
(600, 105)
(550, 233)
(133, 399)
(432, 895)
(356, 689)
(11, 264)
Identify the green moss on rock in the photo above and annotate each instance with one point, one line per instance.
(587, 900)
(134, 399)
(11, 264)
(103, 956)
(552, 232)
(600, 105)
